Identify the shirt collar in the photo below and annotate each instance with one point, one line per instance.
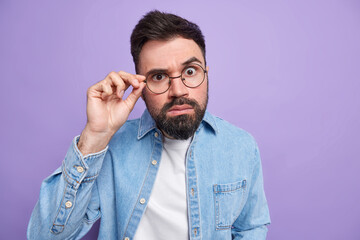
(147, 123)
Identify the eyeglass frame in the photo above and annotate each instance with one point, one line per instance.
(180, 76)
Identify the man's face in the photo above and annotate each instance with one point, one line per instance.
(179, 111)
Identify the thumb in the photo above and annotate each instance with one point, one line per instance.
(134, 96)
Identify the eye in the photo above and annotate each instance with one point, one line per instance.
(158, 77)
(190, 71)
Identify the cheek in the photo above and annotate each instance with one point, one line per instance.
(200, 95)
(155, 102)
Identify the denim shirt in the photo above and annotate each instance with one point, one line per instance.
(225, 195)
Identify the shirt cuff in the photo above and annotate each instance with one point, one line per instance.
(79, 169)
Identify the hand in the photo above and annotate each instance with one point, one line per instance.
(106, 109)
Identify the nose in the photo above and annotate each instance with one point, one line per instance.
(177, 88)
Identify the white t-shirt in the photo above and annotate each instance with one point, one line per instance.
(165, 216)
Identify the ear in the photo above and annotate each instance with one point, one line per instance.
(207, 69)
(143, 92)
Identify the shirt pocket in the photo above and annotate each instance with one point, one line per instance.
(229, 200)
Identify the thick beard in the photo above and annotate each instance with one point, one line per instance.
(182, 126)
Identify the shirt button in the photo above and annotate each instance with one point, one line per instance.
(79, 169)
(68, 204)
(156, 134)
(142, 201)
(153, 162)
(126, 238)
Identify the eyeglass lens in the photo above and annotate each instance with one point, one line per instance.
(192, 76)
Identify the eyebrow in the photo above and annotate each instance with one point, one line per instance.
(191, 60)
(164, 70)
(156, 70)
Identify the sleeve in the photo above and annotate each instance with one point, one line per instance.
(254, 218)
(69, 202)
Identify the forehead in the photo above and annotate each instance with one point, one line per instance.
(169, 54)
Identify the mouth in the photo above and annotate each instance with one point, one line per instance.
(177, 110)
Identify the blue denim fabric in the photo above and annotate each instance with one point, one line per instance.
(225, 194)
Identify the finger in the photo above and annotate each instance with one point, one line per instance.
(116, 81)
(120, 92)
(118, 85)
(102, 88)
(131, 79)
(134, 96)
(139, 77)
(107, 90)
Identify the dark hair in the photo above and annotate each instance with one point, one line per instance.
(156, 25)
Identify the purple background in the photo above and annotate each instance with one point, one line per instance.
(288, 72)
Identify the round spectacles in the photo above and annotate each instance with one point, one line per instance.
(193, 75)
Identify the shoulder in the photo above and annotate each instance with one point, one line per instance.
(228, 129)
(230, 143)
(231, 135)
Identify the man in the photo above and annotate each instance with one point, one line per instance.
(176, 173)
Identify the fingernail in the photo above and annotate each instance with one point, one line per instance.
(121, 94)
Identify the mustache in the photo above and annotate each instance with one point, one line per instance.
(180, 101)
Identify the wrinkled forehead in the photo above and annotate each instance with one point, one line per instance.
(168, 54)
